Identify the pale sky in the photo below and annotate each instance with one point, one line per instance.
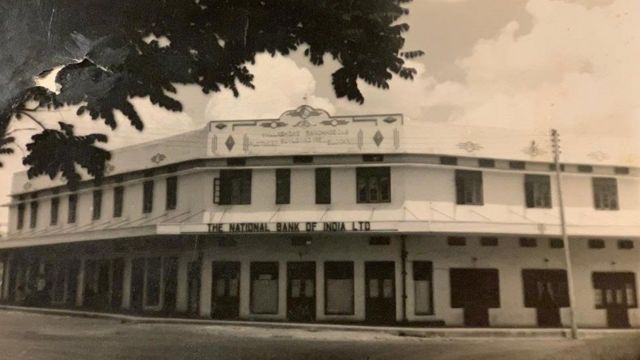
(524, 64)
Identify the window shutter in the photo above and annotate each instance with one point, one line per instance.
(460, 189)
(529, 193)
(216, 191)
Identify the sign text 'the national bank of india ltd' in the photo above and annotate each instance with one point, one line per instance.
(289, 227)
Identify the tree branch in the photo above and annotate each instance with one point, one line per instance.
(34, 119)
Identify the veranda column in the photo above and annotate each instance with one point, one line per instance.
(126, 283)
(182, 290)
(80, 289)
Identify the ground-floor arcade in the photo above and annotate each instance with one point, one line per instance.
(428, 280)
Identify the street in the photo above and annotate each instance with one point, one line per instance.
(34, 336)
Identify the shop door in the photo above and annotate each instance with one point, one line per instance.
(476, 291)
(380, 301)
(116, 283)
(170, 275)
(616, 293)
(546, 291)
(301, 291)
(225, 299)
(137, 284)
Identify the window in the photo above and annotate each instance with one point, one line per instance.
(338, 277)
(373, 184)
(172, 192)
(20, 224)
(517, 165)
(528, 242)
(283, 186)
(486, 163)
(469, 187)
(302, 159)
(264, 287)
(323, 186)
(614, 289)
(234, 187)
(147, 196)
(236, 162)
(488, 241)
(537, 190)
(379, 240)
(456, 241)
(625, 244)
(552, 167)
(33, 221)
(97, 204)
(621, 170)
(373, 158)
(605, 193)
(118, 197)
(423, 287)
(73, 204)
(585, 168)
(596, 244)
(448, 160)
(55, 205)
(556, 243)
(153, 277)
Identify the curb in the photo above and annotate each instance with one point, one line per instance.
(560, 333)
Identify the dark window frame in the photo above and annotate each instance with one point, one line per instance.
(373, 185)
(448, 160)
(528, 242)
(283, 186)
(605, 193)
(489, 241)
(469, 187)
(486, 163)
(72, 210)
(323, 185)
(118, 201)
(556, 243)
(625, 244)
(33, 214)
(239, 180)
(54, 211)
(537, 191)
(596, 244)
(171, 190)
(20, 220)
(517, 165)
(96, 210)
(147, 196)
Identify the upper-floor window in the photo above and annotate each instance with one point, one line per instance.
(147, 196)
(283, 186)
(97, 205)
(373, 184)
(469, 187)
(537, 191)
(323, 186)
(233, 187)
(73, 204)
(55, 205)
(172, 193)
(605, 193)
(118, 198)
(34, 214)
(20, 224)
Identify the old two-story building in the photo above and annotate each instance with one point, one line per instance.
(310, 217)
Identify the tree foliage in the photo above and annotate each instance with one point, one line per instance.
(106, 61)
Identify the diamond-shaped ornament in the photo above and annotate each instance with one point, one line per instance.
(230, 142)
(377, 138)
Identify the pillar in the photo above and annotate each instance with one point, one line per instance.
(80, 289)
(182, 297)
(126, 283)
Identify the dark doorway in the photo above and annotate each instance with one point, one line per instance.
(546, 291)
(116, 283)
(137, 284)
(380, 300)
(301, 291)
(476, 291)
(225, 294)
(90, 290)
(616, 293)
(102, 300)
(170, 284)
(193, 287)
(13, 271)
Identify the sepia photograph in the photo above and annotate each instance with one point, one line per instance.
(320, 180)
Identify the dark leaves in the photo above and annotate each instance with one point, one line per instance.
(58, 151)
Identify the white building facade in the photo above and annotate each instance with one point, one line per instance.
(310, 217)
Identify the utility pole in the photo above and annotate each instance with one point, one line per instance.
(555, 144)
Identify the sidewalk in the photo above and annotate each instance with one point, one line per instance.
(431, 332)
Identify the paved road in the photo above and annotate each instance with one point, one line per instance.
(33, 336)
